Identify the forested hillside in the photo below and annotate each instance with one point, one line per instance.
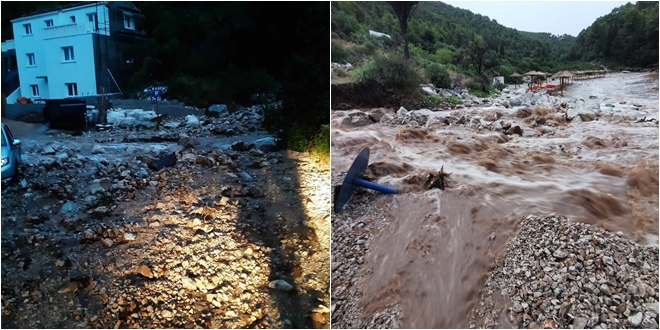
(446, 32)
(627, 36)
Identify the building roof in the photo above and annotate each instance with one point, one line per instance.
(73, 4)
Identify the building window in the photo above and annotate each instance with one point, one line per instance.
(35, 90)
(68, 53)
(28, 29)
(73, 19)
(93, 21)
(31, 60)
(72, 89)
(49, 22)
(128, 21)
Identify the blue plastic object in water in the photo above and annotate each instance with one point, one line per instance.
(354, 179)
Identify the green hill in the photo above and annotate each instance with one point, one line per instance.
(444, 32)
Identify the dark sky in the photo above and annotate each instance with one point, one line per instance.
(556, 17)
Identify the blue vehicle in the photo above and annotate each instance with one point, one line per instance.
(11, 154)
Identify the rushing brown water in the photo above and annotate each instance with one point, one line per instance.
(434, 255)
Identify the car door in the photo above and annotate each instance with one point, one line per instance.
(16, 149)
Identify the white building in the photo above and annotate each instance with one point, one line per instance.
(73, 51)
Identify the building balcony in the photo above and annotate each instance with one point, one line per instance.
(73, 29)
(8, 45)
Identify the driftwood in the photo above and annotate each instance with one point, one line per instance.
(439, 180)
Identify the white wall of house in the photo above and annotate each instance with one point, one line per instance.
(51, 71)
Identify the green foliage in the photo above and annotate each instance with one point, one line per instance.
(438, 75)
(429, 101)
(479, 93)
(296, 139)
(341, 73)
(339, 53)
(454, 100)
(500, 87)
(628, 36)
(322, 141)
(390, 71)
(443, 56)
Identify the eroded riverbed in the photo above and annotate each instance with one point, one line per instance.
(420, 258)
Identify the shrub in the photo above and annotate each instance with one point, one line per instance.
(438, 76)
(430, 101)
(339, 53)
(391, 71)
(322, 141)
(500, 86)
(443, 56)
(296, 140)
(479, 93)
(455, 100)
(339, 72)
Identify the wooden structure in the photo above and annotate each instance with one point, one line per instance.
(564, 77)
(537, 74)
(516, 75)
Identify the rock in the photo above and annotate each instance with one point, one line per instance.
(49, 150)
(241, 146)
(88, 234)
(580, 323)
(188, 283)
(129, 237)
(515, 130)
(69, 208)
(549, 324)
(191, 120)
(73, 287)
(649, 322)
(636, 320)
(217, 110)
(107, 242)
(281, 285)
(144, 271)
(604, 288)
(142, 173)
(376, 115)
(166, 314)
(608, 261)
(172, 125)
(402, 111)
(429, 90)
(593, 321)
(357, 119)
(97, 149)
(23, 184)
(517, 308)
(593, 96)
(559, 254)
(587, 116)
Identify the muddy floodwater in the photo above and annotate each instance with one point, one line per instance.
(429, 251)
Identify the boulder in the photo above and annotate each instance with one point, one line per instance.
(429, 90)
(217, 110)
(402, 111)
(357, 119)
(191, 120)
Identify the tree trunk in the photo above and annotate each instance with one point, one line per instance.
(404, 31)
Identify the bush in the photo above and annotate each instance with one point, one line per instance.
(322, 141)
(438, 76)
(455, 100)
(296, 140)
(430, 101)
(391, 71)
(479, 93)
(341, 73)
(339, 53)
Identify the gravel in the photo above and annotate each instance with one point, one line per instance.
(598, 280)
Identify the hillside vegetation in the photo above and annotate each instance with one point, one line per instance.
(450, 36)
(627, 36)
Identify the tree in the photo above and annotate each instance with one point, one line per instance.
(481, 55)
(402, 10)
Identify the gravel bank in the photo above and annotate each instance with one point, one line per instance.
(558, 273)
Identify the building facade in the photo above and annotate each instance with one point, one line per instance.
(74, 51)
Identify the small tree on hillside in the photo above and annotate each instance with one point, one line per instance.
(403, 9)
(482, 56)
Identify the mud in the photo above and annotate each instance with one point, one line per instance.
(429, 259)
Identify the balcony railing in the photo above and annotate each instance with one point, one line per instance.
(8, 45)
(73, 29)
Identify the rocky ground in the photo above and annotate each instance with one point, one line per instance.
(559, 273)
(199, 225)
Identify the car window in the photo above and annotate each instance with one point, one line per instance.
(10, 137)
(4, 139)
